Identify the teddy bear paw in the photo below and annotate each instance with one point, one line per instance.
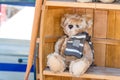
(55, 63)
(78, 68)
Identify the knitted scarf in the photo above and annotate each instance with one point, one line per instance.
(75, 44)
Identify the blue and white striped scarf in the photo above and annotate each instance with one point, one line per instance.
(75, 44)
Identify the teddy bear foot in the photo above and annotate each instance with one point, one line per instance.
(84, 0)
(78, 67)
(55, 62)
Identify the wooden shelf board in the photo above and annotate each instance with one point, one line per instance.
(70, 4)
(106, 41)
(114, 6)
(52, 39)
(93, 5)
(93, 72)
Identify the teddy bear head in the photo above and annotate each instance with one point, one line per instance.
(73, 24)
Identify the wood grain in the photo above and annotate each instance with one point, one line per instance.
(100, 24)
(70, 4)
(100, 31)
(60, 3)
(99, 55)
(112, 51)
(111, 24)
(41, 49)
(90, 12)
(117, 25)
(93, 72)
(112, 6)
(52, 39)
(113, 56)
(34, 35)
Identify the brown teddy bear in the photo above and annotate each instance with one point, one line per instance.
(74, 50)
(84, 0)
(107, 1)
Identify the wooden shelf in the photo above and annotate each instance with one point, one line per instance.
(70, 4)
(93, 5)
(51, 39)
(93, 72)
(115, 6)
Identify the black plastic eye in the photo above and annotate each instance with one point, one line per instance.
(70, 26)
(77, 26)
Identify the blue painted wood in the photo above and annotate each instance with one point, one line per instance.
(14, 67)
(19, 3)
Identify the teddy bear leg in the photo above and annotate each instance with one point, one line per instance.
(79, 67)
(55, 62)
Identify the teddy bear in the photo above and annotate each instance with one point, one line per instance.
(74, 50)
(84, 0)
(107, 1)
(104, 1)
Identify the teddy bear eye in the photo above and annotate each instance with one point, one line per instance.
(77, 26)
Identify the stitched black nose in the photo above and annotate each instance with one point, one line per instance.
(70, 26)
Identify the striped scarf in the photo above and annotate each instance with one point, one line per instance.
(75, 44)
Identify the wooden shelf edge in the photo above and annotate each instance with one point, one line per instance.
(113, 6)
(93, 72)
(106, 41)
(51, 39)
(70, 4)
(83, 5)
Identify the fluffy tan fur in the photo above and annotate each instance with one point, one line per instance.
(107, 1)
(57, 61)
(84, 0)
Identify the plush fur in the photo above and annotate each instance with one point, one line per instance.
(58, 64)
(84, 0)
(107, 1)
(57, 61)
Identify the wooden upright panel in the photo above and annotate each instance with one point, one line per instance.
(51, 28)
(34, 35)
(100, 29)
(99, 54)
(100, 23)
(111, 24)
(113, 51)
(90, 12)
(117, 27)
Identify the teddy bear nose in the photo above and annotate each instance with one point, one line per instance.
(70, 26)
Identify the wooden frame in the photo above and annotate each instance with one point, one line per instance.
(105, 37)
(34, 35)
(83, 5)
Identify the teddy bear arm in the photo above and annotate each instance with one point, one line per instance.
(88, 53)
(59, 44)
(56, 63)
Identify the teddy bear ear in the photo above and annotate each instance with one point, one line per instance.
(67, 15)
(63, 19)
(89, 20)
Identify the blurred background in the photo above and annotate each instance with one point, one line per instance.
(16, 19)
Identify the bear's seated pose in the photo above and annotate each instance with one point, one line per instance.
(74, 50)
